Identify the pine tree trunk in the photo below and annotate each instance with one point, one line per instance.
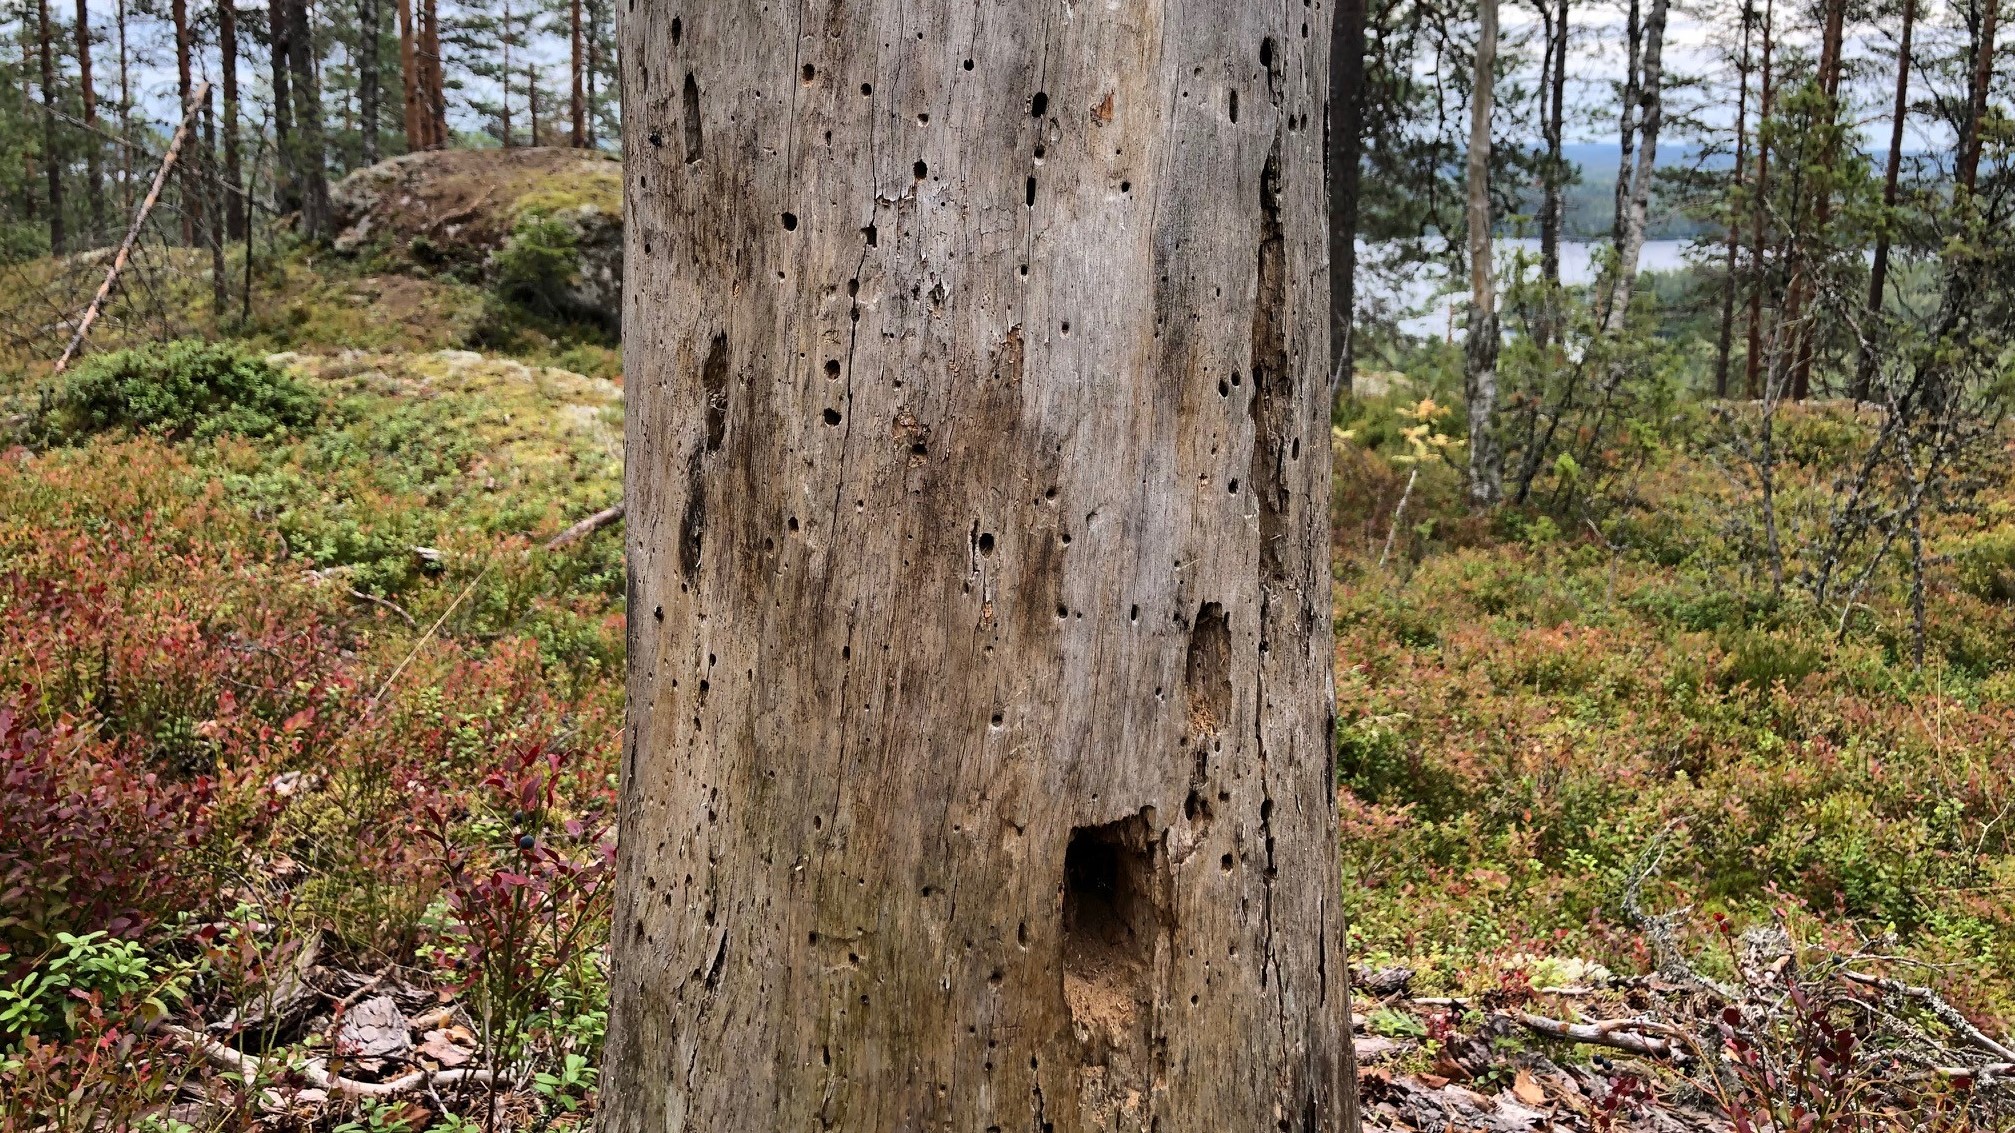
(191, 204)
(594, 67)
(310, 151)
(1878, 268)
(1553, 204)
(1725, 342)
(977, 772)
(1832, 31)
(29, 209)
(504, 84)
(409, 79)
(1650, 115)
(370, 23)
(434, 88)
(94, 172)
(578, 108)
(1758, 246)
(52, 155)
(125, 116)
(234, 173)
(286, 188)
(1346, 147)
(1486, 472)
(212, 229)
(1976, 92)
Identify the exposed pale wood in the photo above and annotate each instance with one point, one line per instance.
(133, 231)
(315, 1071)
(1634, 1035)
(978, 468)
(586, 527)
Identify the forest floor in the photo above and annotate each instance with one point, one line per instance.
(309, 741)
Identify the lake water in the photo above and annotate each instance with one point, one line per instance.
(1422, 298)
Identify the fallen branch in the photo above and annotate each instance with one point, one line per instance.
(438, 1017)
(196, 99)
(1947, 1014)
(1390, 532)
(427, 636)
(387, 603)
(360, 991)
(316, 1071)
(1992, 1074)
(586, 527)
(1618, 1034)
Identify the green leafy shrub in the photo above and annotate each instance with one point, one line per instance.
(57, 991)
(185, 388)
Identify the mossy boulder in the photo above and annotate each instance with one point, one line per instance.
(543, 224)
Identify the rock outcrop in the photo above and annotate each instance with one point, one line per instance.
(458, 212)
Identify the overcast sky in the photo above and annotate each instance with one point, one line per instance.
(1695, 37)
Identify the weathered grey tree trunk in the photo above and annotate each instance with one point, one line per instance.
(978, 769)
(1486, 465)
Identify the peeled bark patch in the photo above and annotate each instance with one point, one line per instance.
(1115, 963)
(978, 767)
(1207, 673)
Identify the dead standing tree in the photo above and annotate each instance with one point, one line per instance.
(978, 765)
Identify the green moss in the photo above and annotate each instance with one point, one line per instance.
(597, 189)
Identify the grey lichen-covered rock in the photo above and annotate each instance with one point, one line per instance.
(457, 211)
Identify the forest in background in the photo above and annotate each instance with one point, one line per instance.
(1673, 611)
